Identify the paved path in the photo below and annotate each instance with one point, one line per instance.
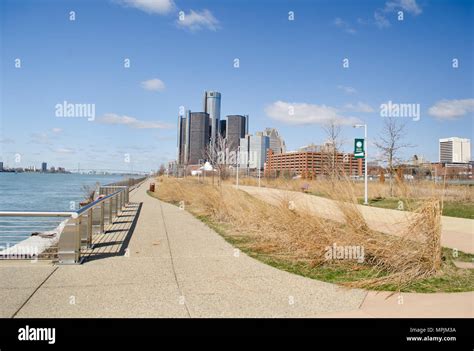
(172, 265)
(456, 232)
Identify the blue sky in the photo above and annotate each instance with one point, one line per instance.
(283, 64)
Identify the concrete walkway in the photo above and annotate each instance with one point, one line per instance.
(457, 233)
(169, 264)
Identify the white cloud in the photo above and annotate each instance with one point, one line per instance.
(132, 122)
(409, 6)
(160, 7)
(344, 26)
(64, 150)
(451, 109)
(347, 90)
(303, 113)
(56, 130)
(196, 20)
(359, 107)
(380, 20)
(154, 84)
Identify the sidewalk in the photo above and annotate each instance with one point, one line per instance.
(175, 266)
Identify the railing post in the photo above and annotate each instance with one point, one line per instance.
(119, 203)
(102, 219)
(85, 229)
(69, 245)
(109, 204)
(96, 226)
(113, 208)
(106, 213)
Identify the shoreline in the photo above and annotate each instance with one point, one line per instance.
(34, 245)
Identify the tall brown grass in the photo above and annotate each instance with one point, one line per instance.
(414, 190)
(298, 235)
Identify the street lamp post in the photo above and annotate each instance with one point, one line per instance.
(366, 199)
(201, 169)
(238, 161)
(259, 156)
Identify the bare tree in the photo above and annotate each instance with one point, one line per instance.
(333, 144)
(390, 143)
(216, 155)
(162, 170)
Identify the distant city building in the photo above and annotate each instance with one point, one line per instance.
(244, 148)
(451, 170)
(259, 144)
(223, 128)
(310, 164)
(236, 129)
(310, 148)
(253, 150)
(212, 106)
(196, 135)
(193, 137)
(1, 166)
(44, 167)
(454, 150)
(418, 160)
(326, 147)
(277, 144)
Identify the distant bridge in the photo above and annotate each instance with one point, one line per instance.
(108, 170)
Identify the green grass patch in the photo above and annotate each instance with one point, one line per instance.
(459, 209)
(450, 208)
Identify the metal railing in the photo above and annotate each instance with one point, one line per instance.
(81, 225)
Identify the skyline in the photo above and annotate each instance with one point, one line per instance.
(283, 64)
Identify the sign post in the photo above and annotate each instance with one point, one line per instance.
(360, 151)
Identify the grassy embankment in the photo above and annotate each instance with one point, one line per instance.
(458, 200)
(297, 240)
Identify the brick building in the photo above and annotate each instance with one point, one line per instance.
(309, 164)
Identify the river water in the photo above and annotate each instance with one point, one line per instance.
(41, 192)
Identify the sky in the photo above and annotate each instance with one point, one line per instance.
(293, 65)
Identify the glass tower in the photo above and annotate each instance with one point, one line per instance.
(212, 106)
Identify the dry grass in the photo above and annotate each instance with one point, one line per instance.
(415, 190)
(299, 236)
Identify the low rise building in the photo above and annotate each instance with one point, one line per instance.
(310, 164)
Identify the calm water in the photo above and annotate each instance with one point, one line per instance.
(40, 192)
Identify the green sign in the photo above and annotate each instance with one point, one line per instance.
(359, 149)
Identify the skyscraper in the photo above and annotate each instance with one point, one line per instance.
(235, 130)
(44, 167)
(212, 106)
(223, 128)
(454, 150)
(259, 144)
(193, 137)
(198, 137)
